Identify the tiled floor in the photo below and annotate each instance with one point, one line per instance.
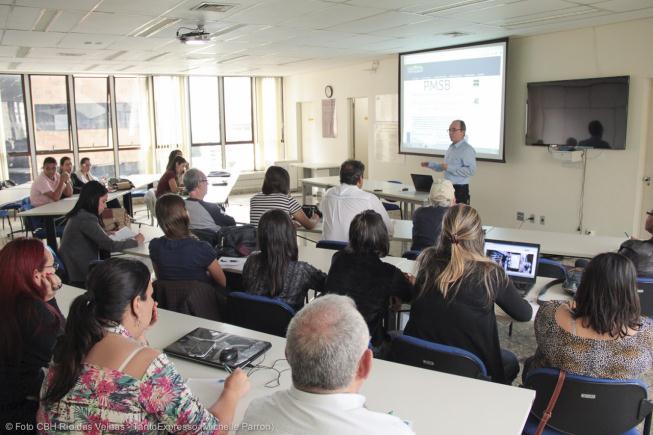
(522, 342)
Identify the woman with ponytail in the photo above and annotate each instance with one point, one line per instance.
(457, 287)
(31, 322)
(103, 376)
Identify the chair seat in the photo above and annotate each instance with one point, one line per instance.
(391, 207)
(531, 426)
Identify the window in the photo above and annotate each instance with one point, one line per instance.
(92, 111)
(206, 151)
(133, 119)
(238, 109)
(50, 109)
(13, 128)
(168, 115)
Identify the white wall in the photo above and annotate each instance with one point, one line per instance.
(530, 180)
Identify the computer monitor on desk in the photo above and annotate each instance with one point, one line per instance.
(518, 259)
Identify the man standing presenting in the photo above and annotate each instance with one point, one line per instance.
(459, 162)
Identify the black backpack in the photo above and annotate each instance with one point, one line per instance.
(236, 241)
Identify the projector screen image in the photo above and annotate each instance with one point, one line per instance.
(440, 85)
(588, 113)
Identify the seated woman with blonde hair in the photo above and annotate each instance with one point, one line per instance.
(601, 333)
(457, 287)
(104, 375)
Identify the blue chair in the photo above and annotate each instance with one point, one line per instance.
(645, 291)
(32, 224)
(335, 245)
(551, 269)
(390, 205)
(425, 354)
(4, 214)
(411, 255)
(588, 405)
(259, 313)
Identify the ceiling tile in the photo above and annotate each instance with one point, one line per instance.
(624, 5)
(66, 21)
(25, 38)
(139, 7)
(378, 22)
(276, 11)
(6, 51)
(84, 40)
(68, 5)
(22, 18)
(331, 16)
(110, 23)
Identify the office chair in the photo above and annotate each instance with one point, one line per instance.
(551, 269)
(335, 245)
(197, 298)
(411, 255)
(645, 292)
(425, 354)
(592, 406)
(390, 205)
(259, 313)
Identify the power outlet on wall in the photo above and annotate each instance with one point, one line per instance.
(531, 218)
(542, 220)
(520, 216)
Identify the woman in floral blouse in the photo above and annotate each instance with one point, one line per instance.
(104, 378)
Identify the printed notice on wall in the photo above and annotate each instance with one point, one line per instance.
(329, 118)
(387, 108)
(386, 142)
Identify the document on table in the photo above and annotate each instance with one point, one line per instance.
(207, 390)
(123, 233)
(232, 264)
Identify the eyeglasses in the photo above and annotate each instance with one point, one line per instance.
(54, 265)
(204, 180)
(451, 130)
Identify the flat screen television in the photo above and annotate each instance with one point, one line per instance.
(586, 113)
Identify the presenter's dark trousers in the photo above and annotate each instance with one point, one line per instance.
(462, 193)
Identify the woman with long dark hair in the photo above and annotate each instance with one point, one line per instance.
(103, 372)
(180, 255)
(358, 272)
(31, 322)
(170, 181)
(275, 195)
(83, 237)
(457, 287)
(274, 271)
(601, 333)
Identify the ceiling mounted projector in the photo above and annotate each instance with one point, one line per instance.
(194, 36)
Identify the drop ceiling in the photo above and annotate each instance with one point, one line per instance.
(271, 37)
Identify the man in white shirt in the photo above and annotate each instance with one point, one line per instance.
(326, 347)
(341, 203)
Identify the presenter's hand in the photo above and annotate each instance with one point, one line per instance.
(443, 166)
(424, 164)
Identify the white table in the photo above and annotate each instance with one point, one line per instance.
(13, 194)
(220, 187)
(565, 244)
(404, 193)
(430, 400)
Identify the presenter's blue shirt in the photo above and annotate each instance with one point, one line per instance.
(461, 163)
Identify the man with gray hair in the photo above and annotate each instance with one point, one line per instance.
(203, 215)
(427, 221)
(326, 347)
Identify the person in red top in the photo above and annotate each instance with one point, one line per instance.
(169, 182)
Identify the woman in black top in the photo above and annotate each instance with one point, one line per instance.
(31, 323)
(358, 272)
(457, 287)
(275, 271)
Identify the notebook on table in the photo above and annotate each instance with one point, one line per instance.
(422, 182)
(518, 260)
(204, 346)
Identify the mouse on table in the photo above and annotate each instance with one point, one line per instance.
(228, 355)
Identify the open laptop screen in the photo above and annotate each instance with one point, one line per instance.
(518, 259)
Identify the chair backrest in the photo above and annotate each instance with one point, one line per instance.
(206, 235)
(32, 224)
(434, 356)
(259, 313)
(645, 291)
(590, 405)
(197, 298)
(411, 255)
(336, 245)
(551, 269)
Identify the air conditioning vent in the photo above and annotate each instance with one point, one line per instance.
(213, 7)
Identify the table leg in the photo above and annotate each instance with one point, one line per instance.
(50, 231)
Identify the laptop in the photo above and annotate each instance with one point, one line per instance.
(518, 259)
(422, 182)
(204, 346)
